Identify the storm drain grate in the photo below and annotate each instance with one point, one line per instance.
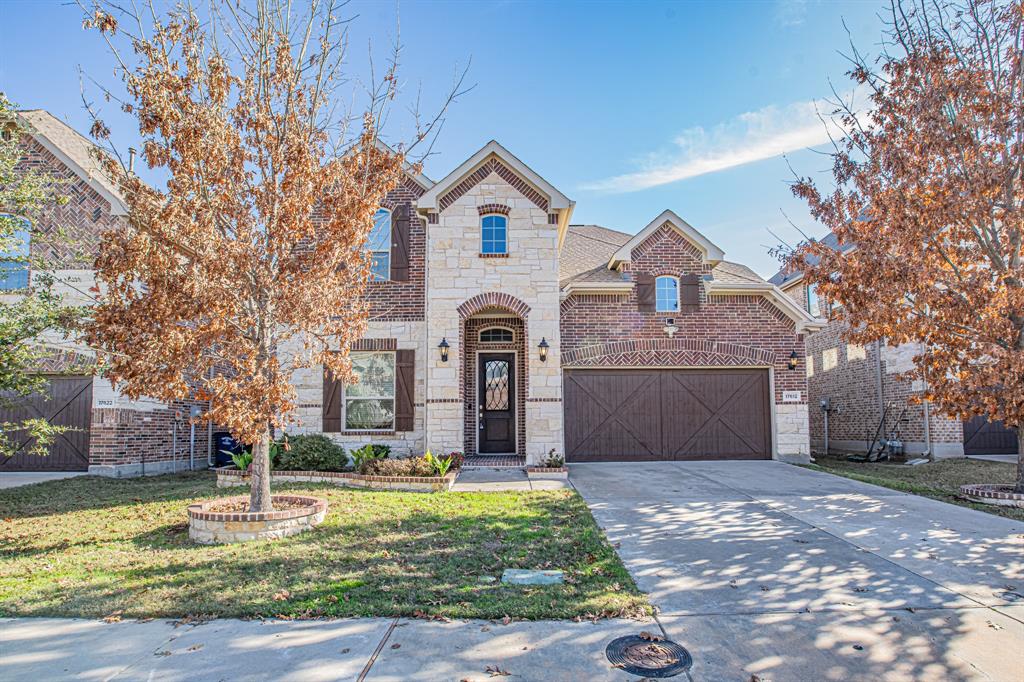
(646, 657)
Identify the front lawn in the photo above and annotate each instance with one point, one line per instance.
(98, 547)
(939, 480)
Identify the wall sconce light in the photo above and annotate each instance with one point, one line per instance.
(543, 348)
(670, 327)
(793, 359)
(443, 347)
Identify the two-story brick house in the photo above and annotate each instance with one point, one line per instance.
(499, 328)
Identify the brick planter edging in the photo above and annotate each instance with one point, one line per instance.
(993, 493)
(227, 477)
(547, 472)
(211, 527)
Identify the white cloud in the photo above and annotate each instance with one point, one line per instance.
(790, 12)
(753, 136)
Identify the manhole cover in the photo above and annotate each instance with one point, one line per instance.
(646, 658)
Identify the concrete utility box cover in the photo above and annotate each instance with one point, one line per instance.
(520, 576)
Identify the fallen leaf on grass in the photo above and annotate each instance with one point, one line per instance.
(115, 617)
(282, 595)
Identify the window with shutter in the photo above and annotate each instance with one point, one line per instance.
(400, 226)
(690, 293)
(645, 292)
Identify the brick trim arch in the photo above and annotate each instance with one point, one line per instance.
(492, 299)
(492, 165)
(667, 352)
(489, 209)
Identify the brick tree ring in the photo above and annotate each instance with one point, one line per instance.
(223, 520)
(997, 494)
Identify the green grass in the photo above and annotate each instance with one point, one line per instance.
(939, 480)
(93, 547)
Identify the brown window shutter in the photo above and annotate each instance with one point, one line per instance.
(689, 296)
(333, 392)
(405, 385)
(645, 292)
(400, 243)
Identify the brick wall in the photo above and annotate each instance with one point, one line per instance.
(849, 376)
(125, 441)
(391, 301)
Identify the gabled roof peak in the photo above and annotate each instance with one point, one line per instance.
(710, 251)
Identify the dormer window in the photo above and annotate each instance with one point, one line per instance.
(666, 290)
(494, 234)
(379, 246)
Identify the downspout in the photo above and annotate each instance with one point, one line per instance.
(927, 417)
(878, 385)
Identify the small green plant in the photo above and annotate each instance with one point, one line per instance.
(241, 459)
(408, 466)
(554, 461)
(368, 453)
(439, 465)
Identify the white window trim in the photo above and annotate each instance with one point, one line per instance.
(393, 397)
(479, 336)
(493, 215)
(374, 277)
(678, 287)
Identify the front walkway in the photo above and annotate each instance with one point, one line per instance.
(501, 479)
(13, 479)
(771, 570)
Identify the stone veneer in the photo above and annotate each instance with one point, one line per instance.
(529, 275)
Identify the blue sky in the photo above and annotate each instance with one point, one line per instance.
(628, 108)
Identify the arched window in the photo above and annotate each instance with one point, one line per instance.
(379, 245)
(496, 335)
(666, 290)
(14, 258)
(494, 234)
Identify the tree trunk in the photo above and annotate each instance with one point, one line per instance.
(259, 491)
(1019, 488)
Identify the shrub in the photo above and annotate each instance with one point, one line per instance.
(440, 465)
(554, 461)
(312, 453)
(457, 458)
(368, 453)
(241, 459)
(413, 466)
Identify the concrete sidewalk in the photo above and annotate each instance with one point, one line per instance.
(13, 479)
(350, 649)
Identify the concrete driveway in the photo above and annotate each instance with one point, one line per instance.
(770, 570)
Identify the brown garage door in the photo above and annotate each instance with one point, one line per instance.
(666, 414)
(982, 437)
(66, 402)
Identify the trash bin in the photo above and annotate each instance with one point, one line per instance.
(225, 446)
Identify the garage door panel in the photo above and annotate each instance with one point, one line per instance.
(666, 414)
(611, 415)
(66, 401)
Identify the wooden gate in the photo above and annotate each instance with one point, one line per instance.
(66, 402)
(982, 437)
(666, 414)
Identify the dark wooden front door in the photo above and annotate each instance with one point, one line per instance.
(496, 402)
(982, 437)
(666, 414)
(67, 401)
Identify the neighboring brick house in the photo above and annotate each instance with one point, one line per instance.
(498, 328)
(111, 435)
(860, 382)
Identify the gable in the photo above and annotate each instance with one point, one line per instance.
(668, 220)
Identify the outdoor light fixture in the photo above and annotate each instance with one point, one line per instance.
(443, 346)
(543, 348)
(792, 359)
(670, 327)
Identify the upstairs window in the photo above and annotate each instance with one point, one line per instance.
(496, 335)
(666, 292)
(813, 303)
(379, 246)
(494, 234)
(14, 257)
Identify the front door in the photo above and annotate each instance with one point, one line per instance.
(497, 403)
